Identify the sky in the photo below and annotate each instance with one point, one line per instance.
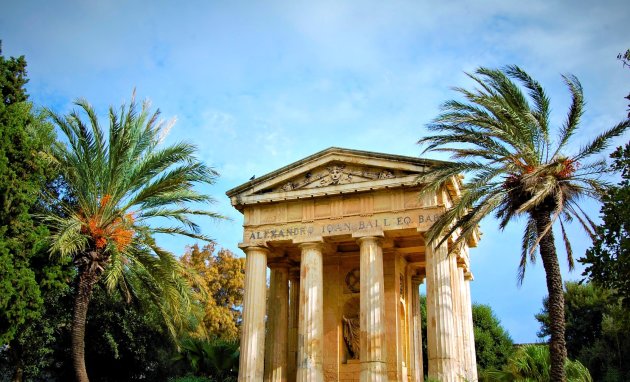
(259, 85)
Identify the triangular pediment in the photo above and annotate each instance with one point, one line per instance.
(339, 173)
(329, 172)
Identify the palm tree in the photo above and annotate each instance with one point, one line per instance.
(501, 137)
(530, 363)
(215, 358)
(125, 187)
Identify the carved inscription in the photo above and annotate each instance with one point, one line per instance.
(347, 226)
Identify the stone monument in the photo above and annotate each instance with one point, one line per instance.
(342, 234)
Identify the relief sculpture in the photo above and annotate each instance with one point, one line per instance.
(336, 174)
(351, 326)
(351, 336)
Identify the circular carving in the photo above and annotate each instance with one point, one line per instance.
(353, 280)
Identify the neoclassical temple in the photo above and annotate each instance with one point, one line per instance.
(342, 235)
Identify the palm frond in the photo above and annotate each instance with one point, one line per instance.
(575, 112)
(181, 231)
(462, 219)
(66, 239)
(529, 239)
(567, 246)
(603, 140)
(541, 105)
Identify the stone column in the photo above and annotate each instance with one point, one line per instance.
(310, 366)
(468, 329)
(277, 323)
(441, 334)
(416, 328)
(251, 363)
(462, 323)
(294, 301)
(372, 316)
(457, 317)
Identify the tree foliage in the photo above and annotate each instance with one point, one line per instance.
(22, 175)
(625, 59)
(220, 285)
(608, 260)
(493, 344)
(503, 138)
(12, 79)
(216, 359)
(597, 331)
(128, 341)
(531, 363)
(29, 280)
(127, 186)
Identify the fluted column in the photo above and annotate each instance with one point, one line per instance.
(441, 335)
(457, 317)
(372, 316)
(468, 329)
(294, 300)
(310, 366)
(463, 323)
(277, 323)
(416, 322)
(251, 363)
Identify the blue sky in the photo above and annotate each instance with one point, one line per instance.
(260, 85)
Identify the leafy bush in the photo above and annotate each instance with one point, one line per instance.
(190, 378)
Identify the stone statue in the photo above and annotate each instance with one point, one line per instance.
(351, 336)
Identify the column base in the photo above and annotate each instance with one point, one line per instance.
(373, 372)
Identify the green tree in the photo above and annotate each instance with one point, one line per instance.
(220, 282)
(127, 187)
(597, 330)
(503, 139)
(608, 260)
(12, 79)
(128, 342)
(493, 344)
(36, 349)
(625, 59)
(531, 363)
(217, 359)
(29, 280)
(21, 178)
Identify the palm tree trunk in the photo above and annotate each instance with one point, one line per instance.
(557, 346)
(87, 279)
(18, 375)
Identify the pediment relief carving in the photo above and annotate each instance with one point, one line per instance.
(337, 174)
